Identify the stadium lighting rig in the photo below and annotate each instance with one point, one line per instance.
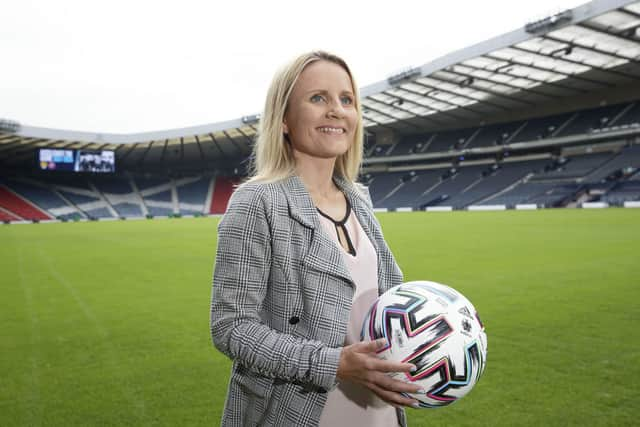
(549, 23)
(403, 76)
(9, 126)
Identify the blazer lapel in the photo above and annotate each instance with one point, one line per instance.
(323, 254)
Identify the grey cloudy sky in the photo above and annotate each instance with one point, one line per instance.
(126, 66)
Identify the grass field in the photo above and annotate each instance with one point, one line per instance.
(108, 323)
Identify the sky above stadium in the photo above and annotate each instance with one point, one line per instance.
(139, 65)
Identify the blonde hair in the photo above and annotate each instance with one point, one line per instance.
(272, 157)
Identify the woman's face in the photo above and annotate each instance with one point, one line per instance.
(321, 116)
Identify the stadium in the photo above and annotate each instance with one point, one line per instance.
(509, 170)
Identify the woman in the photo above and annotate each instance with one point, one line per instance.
(300, 259)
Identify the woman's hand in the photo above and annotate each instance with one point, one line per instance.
(359, 364)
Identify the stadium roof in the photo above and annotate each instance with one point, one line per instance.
(590, 49)
(576, 52)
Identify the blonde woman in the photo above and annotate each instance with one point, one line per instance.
(300, 259)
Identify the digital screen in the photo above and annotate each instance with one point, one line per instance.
(95, 161)
(55, 159)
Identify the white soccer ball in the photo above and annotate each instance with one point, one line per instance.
(435, 328)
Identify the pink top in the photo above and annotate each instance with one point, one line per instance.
(350, 404)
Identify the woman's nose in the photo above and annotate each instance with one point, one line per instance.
(336, 109)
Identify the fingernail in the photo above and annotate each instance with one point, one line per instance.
(413, 368)
(415, 405)
(422, 391)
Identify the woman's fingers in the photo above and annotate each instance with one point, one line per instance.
(394, 398)
(359, 364)
(381, 364)
(389, 366)
(386, 382)
(370, 346)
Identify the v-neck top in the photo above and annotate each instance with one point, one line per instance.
(340, 225)
(349, 404)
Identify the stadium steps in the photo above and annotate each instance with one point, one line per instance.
(392, 192)
(223, 190)
(431, 188)
(583, 198)
(19, 206)
(174, 197)
(5, 215)
(624, 111)
(473, 136)
(473, 184)
(560, 128)
(425, 146)
(515, 133)
(212, 187)
(102, 197)
(136, 191)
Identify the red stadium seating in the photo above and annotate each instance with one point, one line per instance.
(221, 194)
(19, 206)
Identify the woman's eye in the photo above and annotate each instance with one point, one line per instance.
(347, 100)
(316, 98)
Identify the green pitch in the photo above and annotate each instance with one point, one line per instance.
(108, 323)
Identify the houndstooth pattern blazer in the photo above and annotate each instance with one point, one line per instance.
(281, 301)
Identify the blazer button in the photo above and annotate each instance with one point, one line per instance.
(294, 320)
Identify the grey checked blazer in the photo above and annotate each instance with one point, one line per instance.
(281, 301)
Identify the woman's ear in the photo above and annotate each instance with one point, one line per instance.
(285, 128)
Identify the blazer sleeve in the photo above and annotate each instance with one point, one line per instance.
(240, 281)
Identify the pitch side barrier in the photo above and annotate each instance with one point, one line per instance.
(129, 218)
(519, 207)
(472, 208)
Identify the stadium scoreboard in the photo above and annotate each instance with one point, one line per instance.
(56, 159)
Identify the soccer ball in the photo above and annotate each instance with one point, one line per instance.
(435, 328)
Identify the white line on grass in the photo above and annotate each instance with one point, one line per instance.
(134, 399)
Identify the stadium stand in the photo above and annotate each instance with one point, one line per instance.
(622, 192)
(541, 128)
(628, 157)
(453, 182)
(498, 179)
(40, 196)
(556, 181)
(589, 120)
(572, 167)
(16, 205)
(450, 184)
